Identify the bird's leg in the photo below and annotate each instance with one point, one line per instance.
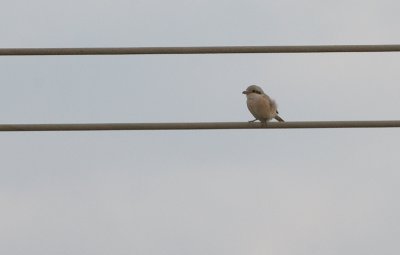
(264, 123)
(252, 121)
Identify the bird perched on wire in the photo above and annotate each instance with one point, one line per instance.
(261, 105)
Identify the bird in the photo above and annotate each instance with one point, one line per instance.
(261, 105)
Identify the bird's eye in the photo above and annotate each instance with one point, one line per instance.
(254, 91)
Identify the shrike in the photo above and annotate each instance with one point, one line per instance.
(261, 105)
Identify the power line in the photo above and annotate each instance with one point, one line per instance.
(199, 50)
(198, 125)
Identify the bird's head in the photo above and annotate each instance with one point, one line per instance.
(253, 89)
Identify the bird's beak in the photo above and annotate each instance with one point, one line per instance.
(245, 92)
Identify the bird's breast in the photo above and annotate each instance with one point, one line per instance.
(259, 106)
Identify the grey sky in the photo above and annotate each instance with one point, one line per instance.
(198, 192)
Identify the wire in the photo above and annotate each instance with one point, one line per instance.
(198, 125)
(199, 50)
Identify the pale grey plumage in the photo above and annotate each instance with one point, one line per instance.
(261, 105)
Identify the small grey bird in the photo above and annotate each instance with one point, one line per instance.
(261, 105)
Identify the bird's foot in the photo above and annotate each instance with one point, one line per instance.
(252, 121)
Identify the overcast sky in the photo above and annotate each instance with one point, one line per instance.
(282, 192)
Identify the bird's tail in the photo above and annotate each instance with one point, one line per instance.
(279, 118)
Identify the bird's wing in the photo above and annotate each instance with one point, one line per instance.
(272, 105)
